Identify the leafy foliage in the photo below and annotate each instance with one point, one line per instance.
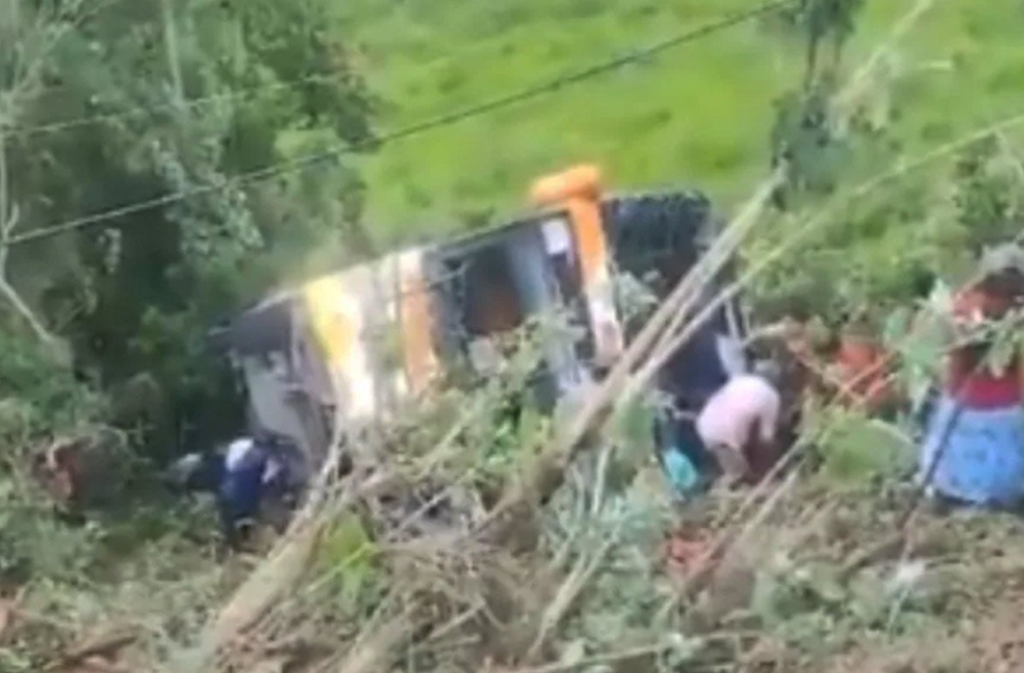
(858, 451)
(178, 99)
(104, 106)
(821, 22)
(868, 257)
(136, 294)
(38, 394)
(989, 192)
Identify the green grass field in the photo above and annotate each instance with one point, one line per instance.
(697, 115)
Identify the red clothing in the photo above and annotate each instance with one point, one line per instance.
(969, 380)
(862, 369)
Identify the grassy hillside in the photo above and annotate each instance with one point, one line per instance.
(699, 114)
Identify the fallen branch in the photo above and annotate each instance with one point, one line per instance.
(263, 588)
(892, 546)
(547, 472)
(377, 651)
(567, 595)
(105, 646)
(599, 660)
(703, 570)
(97, 665)
(10, 611)
(887, 547)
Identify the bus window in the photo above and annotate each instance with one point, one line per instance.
(492, 305)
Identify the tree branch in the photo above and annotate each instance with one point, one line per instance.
(9, 216)
(36, 43)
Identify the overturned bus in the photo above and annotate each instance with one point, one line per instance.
(355, 344)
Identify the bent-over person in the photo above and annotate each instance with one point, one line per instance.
(739, 425)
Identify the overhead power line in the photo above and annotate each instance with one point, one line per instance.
(486, 107)
(191, 104)
(236, 95)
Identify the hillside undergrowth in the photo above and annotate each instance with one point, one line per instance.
(832, 567)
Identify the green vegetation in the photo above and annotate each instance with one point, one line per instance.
(102, 328)
(699, 115)
(105, 108)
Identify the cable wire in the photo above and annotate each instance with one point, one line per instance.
(191, 104)
(448, 119)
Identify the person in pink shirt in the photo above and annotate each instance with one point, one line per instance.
(738, 425)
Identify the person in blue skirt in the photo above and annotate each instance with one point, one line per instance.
(973, 450)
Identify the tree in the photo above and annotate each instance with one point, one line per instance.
(156, 100)
(823, 22)
(803, 139)
(28, 34)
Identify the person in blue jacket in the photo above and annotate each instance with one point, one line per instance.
(242, 476)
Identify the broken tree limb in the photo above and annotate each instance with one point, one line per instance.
(567, 595)
(684, 324)
(377, 649)
(105, 646)
(547, 473)
(264, 587)
(835, 205)
(675, 336)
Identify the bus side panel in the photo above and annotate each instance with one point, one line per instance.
(268, 389)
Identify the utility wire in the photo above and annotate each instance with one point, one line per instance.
(241, 94)
(550, 86)
(78, 122)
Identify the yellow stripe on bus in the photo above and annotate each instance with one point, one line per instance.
(421, 363)
(334, 329)
(337, 322)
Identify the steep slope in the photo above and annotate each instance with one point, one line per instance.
(699, 114)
